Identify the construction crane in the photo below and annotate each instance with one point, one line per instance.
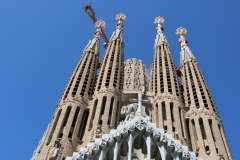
(88, 9)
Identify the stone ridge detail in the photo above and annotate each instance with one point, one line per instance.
(138, 126)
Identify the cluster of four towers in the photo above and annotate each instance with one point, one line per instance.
(92, 103)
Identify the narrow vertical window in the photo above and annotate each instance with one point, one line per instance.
(103, 105)
(117, 115)
(73, 123)
(188, 131)
(157, 116)
(210, 124)
(54, 126)
(93, 114)
(194, 129)
(180, 115)
(83, 124)
(171, 109)
(202, 129)
(110, 111)
(64, 121)
(222, 135)
(164, 111)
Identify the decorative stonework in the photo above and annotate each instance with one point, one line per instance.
(107, 90)
(198, 112)
(75, 100)
(135, 75)
(167, 96)
(138, 126)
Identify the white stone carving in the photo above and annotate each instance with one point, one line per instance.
(137, 126)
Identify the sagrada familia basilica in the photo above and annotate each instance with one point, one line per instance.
(113, 109)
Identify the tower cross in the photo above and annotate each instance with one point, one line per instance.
(140, 100)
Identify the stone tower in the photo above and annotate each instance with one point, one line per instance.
(69, 120)
(105, 106)
(112, 109)
(167, 107)
(204, 125)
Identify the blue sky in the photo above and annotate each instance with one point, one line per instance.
(42, 41)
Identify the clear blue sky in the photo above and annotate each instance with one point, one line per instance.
(42, 41)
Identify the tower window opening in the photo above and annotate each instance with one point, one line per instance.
(54, 126)
(210, 124)
(64, 121)
(181, 122)
(171, 109)
(93, 114)
(103, 105)
(83, 124)
(157, 116)
(164, 116)
(188, 131)
(110, 111)
(117, 115)
(202, 129)
(73, 123)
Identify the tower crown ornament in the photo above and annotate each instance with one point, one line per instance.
(120, 17)
(99, 25)
(182, 32)
(159, 21)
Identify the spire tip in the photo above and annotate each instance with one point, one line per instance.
(181, 31)
(159, 20)
(120, 17)
(100, 24)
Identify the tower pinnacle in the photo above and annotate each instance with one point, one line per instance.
(119, 26)
(186, 53)
(96, 38)
(160, 38)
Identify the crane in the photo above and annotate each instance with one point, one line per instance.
(88, 9)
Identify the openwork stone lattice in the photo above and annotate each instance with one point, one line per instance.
(139, 126)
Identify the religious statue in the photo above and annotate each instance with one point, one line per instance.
(53, 152)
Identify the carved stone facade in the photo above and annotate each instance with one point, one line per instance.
(135, 75)
(112, 109)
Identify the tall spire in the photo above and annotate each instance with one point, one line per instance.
(93, 44)
(69, 120)
(186, 53)
(105, 106)
(167, 108)
(204, 125)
